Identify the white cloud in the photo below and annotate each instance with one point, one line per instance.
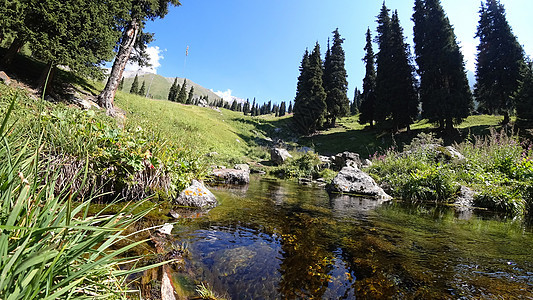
(154, 56)
(225, 95)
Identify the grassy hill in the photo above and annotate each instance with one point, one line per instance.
(159, 86)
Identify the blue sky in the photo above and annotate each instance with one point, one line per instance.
(253, 48)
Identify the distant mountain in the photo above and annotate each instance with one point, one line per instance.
(158, 86)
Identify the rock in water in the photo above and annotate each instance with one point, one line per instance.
(278, 155)
(351, 180)
(196, 195)
(239, 175)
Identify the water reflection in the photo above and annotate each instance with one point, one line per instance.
(280, 240)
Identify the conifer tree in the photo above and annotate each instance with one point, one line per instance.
(182, 95)
(172, 93)
(335, 82)
(191, 95)
(404, 104)
(500, 59)
(444, 90)
(354, 107)
(246, 107)
(135, 85)
(524, 99)
(289, 110)
(142, 90)
(385, 67)
(302, 94)
(234, 106)
(121, 85)
(368, 98)
(282, 109)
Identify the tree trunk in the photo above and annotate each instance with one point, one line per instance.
(449, 124)
(333, 122)
(506, 118)
(107, 96)
(15, 47)
(441, 124)
(47, 76)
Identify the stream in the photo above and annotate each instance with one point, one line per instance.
(280, 240)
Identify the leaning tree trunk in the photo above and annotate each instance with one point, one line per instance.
(15, 47)
(107, 96)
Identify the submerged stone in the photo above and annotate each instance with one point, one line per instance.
(353, 181)
(239, 175)
(196, 195)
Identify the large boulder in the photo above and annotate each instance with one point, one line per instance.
(239, 175)
(279, 155)
(196, 195)
(353, 181)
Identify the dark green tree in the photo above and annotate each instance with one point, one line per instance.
(354, 106)
(121, 85)
(282, 109)
(289, 110)
(368, 98)
(132, 23)
(444, 90)
(142, 90)
(335, 81)
(500, 59)
(524, 99)
(191, 95)
(182, 95)
(385, 76)
(234, 105)
(173, 92)
(135, 85)
(246, 107)
(404, 104)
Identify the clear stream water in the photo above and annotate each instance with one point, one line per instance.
(281, 240)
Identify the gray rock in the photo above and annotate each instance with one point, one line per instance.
(346, 159)
(452, 154)
(278, 155)
(353, 181)
(196, 195)
(366, 163)
(243, 167)
(4, 78)
(232, 176)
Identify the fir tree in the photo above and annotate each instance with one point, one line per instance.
(172, 93)
(289, 110)
(121, 85)
(282, 109)
(354, 107)
(368, 98)
(444, 90)
(404, 104)
(135, 85)
(142, 90)
(246, 107)
(385, 67)
(500, 60)
(182, 95)
(234, 105)
(524, 99)
(335, 82)
(191, 95)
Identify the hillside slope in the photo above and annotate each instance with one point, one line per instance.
(158, 86)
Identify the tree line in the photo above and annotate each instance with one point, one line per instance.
(399, 88)
(81, 35)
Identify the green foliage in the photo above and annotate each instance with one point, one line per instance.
(135, 85)
(369, 84)
(142, 90)
(502, 198)
(52, 249)
(182, 95)
(524, 100)
(304, 166)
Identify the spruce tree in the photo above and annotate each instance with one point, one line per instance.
(500, 59)
(234, 105)
(335, 82)
(135, 85)
(142, 90)
(524, 99)
(121, 85)
(173, 90)
(191, 95)
(289, 110)
(282, 109)
(444, 90)
(302, 95)
(368, 98)
(404, 104)
(182, 95)
(246, 107)
(385, 67)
